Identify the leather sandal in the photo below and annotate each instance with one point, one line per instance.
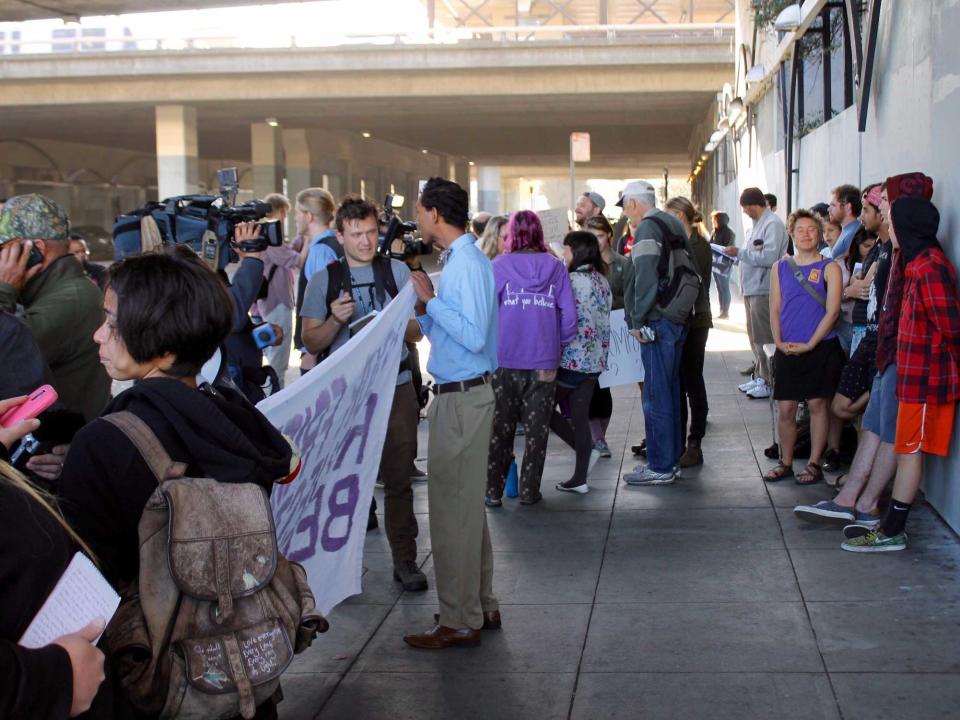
(811, 475)
(780, 472)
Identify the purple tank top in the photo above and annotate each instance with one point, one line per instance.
(799, 313)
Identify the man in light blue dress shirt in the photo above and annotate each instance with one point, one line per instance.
(461, 322)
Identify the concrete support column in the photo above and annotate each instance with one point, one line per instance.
(461, 174)
(178, 170)
(266, 154)
(296, 154)
(489, 191)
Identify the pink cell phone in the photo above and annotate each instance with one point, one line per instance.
(38, 401)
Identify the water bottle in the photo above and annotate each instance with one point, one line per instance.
(513, 482)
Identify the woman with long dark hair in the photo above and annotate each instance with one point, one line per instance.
(693, 390)
(582, 361)
(619, 275)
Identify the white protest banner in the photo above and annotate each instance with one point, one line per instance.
(555, 224)
(624, 364)
(337, 415)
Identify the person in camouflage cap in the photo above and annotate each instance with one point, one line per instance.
(56, 300)
(33, 217)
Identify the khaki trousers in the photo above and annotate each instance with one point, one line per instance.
(759, 332)
(460, 427)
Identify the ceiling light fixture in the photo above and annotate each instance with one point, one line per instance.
(273, 122)
(424, 151)
(365, 134)
(471, 163)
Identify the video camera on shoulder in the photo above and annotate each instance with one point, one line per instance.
(206, 223)
(399, 229)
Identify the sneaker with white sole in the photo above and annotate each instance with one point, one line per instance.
(759, 391)
(825, 511)
(601, 447)
(748, 385)
(876, 541)
(580, 489)
(643, 475)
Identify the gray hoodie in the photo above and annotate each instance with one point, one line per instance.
(764, 245)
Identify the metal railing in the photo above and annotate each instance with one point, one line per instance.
(645, 33)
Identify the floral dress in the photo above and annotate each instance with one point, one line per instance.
(588, 352)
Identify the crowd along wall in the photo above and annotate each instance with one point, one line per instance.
(914, 108)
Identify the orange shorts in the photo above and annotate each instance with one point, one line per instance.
(923, 427)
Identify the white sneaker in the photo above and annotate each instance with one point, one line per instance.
(595, 456)
(759, 391)
(748, 385)
(643, 475)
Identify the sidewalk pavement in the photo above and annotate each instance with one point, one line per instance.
(702, 599)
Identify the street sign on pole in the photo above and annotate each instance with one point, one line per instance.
(580, 145)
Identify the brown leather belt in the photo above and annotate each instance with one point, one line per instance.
(460, 386)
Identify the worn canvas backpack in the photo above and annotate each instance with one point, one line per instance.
(678, 282)
(217, 612)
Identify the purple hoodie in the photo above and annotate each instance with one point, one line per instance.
(538, 314)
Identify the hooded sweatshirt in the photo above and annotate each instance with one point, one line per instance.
(538, 315)
(106, 483)
(928, 346)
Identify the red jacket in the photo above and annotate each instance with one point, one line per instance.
(928, 351)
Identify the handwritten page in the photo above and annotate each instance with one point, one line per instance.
(624, 364)
(81, 596)
(721, 250)
(555, 225)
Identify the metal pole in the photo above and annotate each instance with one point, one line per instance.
(573, 178)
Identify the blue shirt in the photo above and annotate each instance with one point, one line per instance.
(319, 255)
(461, 321)
(842, 246)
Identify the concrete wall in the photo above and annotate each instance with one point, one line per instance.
(913, 111)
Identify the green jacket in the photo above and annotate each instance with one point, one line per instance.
(63, 309)
(640, 296)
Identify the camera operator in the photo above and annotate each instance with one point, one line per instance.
(346, 291)
(244, 358)
(275, 301)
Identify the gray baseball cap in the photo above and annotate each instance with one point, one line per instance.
(596, 199)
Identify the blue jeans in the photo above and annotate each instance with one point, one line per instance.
(722, 281)
(661, 395)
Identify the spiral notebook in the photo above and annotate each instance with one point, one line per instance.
(81, 596)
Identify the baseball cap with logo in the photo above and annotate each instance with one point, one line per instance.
(33, 217)
(596, 199)
(638, 189)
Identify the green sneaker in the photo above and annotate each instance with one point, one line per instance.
(876, 541)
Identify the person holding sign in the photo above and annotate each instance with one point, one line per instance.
(65, 677)
(461, 322)
(585, 358)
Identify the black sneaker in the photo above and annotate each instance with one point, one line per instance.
(372, 522)
(831, 461)
(408, 574)
(640, 449)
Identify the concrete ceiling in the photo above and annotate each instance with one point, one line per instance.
(20, 10)
(501, 130)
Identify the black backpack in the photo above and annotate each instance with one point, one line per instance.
(678, 282)
(338, 280)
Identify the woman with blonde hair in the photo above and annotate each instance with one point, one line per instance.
(36, 545)
(693, 390)
(494, 236)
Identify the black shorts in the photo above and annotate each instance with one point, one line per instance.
(815, 374)
(858, 373)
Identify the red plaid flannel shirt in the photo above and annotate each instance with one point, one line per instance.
(928, 351)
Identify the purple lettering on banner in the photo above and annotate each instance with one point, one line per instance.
(358, 431)
(341, 509)
(309, 524)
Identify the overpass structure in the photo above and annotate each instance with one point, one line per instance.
(485, 90)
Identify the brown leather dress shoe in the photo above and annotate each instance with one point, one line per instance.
(441, 637)
(491, 620)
